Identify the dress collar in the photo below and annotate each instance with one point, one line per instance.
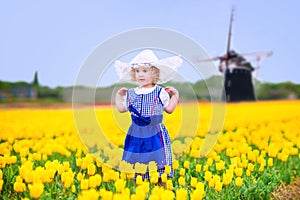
(140, 90)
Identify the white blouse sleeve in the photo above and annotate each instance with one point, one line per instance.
(164, 97)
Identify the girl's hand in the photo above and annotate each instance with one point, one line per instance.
(119, 100)
(122, 91)
(171, 90)
(174, 99)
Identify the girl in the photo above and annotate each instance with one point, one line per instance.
(147, 139)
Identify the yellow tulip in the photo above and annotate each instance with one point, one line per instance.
(227, 178)
(73, 189)
(294, 151)
(261, 168)
(238, 171)
(139, 180)
(120, 185)
(106, 195)
(270, 162)
(218, 186)
(175, 164)
(181, 181)
(11, 160)
(220, 165)
(93, 182)
(152, 166)
(37, 156)
(198, 168)
(193, 182)
(79, 176)
(238, 181)
(66, 166)
(138, 195)
(36, 189)
(154, 197)
(250, 167)
(167, 195)
(140, 168)
(205, 167)
(105, 177)
(216, 178)
(91, 169)
(197, 195)
(169, 185)
(164, 177)
(208, 176)
(91, 194)
(44, 157)
(167, 169)
(19, 187)
(1, 185)
(209, 162)
(248, 172)
(186, 164)
(154, 177)
(182, 172)
(181, 194)
(84, 184)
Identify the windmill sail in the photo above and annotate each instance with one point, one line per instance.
(229, 37)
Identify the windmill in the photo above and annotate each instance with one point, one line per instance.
(237, 70)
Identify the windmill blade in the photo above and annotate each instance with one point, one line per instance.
(229, 37)
(208, 59)
(229, 32)
(257, 56)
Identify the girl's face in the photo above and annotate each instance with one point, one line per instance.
(143, 76)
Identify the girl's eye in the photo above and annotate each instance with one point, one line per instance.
(145, 71)
(137, 70)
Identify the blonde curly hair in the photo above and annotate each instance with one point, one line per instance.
(155, 74)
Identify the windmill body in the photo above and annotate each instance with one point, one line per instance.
(238, 84)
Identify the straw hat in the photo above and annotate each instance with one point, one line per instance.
(167, 66)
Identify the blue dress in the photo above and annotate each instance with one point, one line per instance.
(147, 138)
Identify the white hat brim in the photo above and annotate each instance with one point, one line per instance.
(123, 70)
(168, 68)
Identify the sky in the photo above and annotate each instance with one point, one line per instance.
(55, 37)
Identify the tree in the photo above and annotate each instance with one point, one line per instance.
(36, 84)
(36, 80)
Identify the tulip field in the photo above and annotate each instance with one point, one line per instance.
(43, 156)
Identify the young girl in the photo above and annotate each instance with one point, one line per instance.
(147, 138)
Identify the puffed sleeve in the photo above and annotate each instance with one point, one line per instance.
(124, 101)
(164, 97)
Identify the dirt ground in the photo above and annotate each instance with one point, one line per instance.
(287, 192)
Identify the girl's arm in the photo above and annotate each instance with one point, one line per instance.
(173, 101)
(119, 100)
